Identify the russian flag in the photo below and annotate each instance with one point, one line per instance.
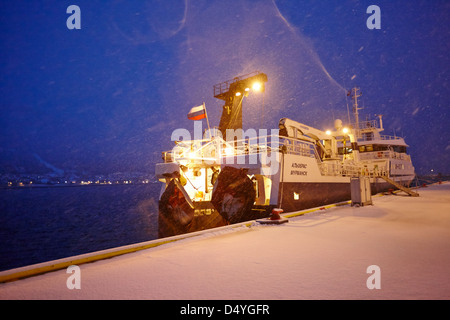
(197, 113)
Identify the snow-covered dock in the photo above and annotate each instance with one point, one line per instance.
(400, 243)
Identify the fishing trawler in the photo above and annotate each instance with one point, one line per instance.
(230, 175)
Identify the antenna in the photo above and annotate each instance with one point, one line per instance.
(355, 95)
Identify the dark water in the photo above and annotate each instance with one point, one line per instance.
(45, 223)
(39, 224)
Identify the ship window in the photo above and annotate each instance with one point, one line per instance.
(342, 150)
(362, 149)
(368, 136)
(380, 147)
(369, 147)
(400, 149)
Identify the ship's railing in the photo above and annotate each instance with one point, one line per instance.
(363, 137)
(368, 124)
(386, 137)
(299, 147)
(337, 168)
(225, 86)
(384, 155)
(217, 148)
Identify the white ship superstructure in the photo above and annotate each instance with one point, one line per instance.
(217, 180)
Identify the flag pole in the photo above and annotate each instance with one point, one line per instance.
(207, 120)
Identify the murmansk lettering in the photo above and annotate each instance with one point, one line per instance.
(239, 309)
(299, 173)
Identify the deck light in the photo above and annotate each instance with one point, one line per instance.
(257, 86)
(191, 155)
(229, 151)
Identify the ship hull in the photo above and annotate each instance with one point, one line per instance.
(296, 196)
(293, 196)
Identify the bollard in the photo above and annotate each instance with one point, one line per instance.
(276, 214)
(274, 218)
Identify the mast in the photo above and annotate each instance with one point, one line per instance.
(355, 95)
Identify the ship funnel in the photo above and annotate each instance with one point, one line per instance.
(338, 124)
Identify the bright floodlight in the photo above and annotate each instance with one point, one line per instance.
(229, 151)
(257, 86)
(345, 130)
(191, 155)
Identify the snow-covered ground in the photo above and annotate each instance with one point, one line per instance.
(320, 255)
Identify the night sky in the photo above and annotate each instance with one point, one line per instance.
(106, 97)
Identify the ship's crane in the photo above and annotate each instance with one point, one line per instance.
(233, 92)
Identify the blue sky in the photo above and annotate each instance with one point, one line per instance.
(107, 97)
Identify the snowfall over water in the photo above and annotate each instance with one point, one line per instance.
(319, 255)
